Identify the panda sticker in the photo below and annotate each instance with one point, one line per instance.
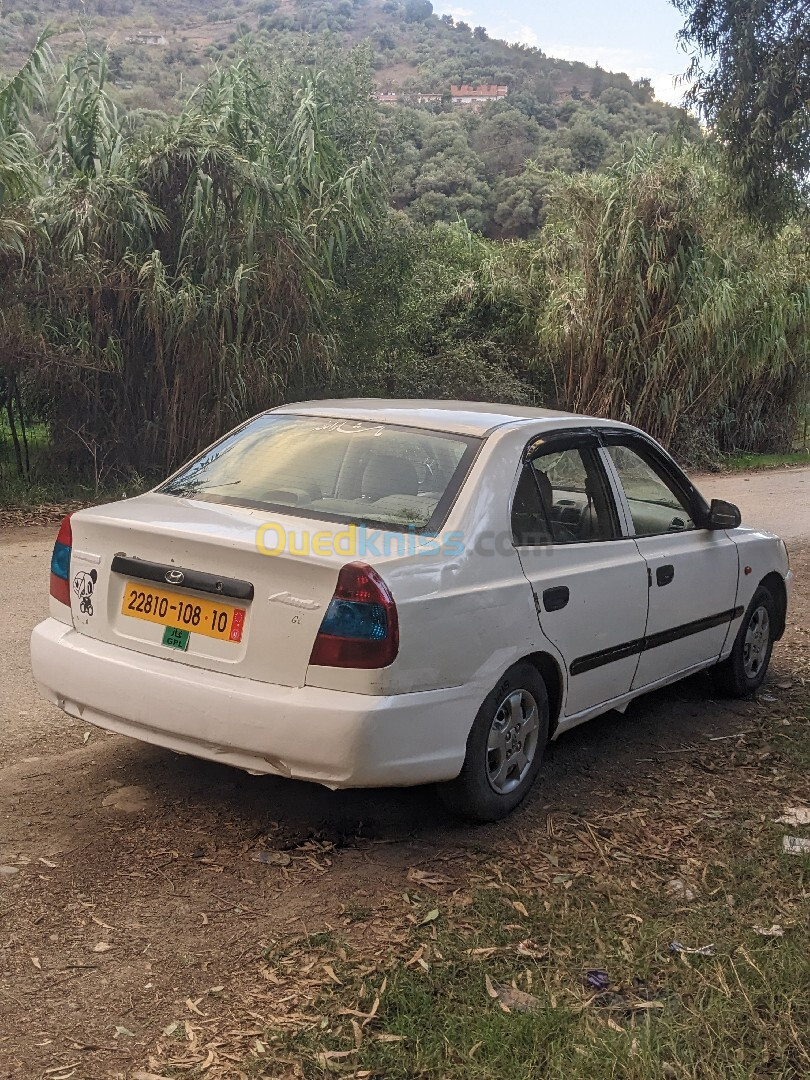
(83, 586)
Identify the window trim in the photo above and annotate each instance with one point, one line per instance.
(586, 438)
(437, 521)
(664, 466)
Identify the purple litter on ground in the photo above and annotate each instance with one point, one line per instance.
(597, 980)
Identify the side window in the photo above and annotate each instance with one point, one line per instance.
(655, 504)
(562, 498)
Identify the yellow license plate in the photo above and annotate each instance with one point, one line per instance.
(208, 617)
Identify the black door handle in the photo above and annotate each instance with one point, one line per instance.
(665, 574)
(556, 598)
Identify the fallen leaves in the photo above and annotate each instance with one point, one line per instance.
(574, 863)
(775, 930)
(325, 1056)
(532, 950)
(701, 950)
(62, 1072)
(41, 514)
(427, 878)
(271, 858)
(510, 998)
(678, 888)
(418, 958)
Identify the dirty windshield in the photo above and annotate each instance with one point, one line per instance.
(332, 468)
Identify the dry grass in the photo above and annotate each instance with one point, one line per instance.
(480, 967)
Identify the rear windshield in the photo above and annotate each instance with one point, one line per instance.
(339, 470)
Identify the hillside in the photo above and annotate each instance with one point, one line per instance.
(445, 160)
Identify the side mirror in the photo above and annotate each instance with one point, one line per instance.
(723, 515)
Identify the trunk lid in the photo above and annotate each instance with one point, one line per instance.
(246, 613)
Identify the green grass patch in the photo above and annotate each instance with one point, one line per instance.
(48, 486)
(742, 462)
(487, 975)
(738, 1013)
(17, 494)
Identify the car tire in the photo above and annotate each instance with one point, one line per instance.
(744, 670)
(504, 749)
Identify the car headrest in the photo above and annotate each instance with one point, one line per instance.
(387, 474)
(546, 490)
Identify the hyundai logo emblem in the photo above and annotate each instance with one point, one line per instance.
(175, 577)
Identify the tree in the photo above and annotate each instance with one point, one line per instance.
(752, 84)
(455, 309)
(21, 179)
(504, 139)
(418, 10)
(520, 202)
(666, 310)
(587, 142)
(192, 262)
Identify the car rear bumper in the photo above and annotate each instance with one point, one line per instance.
(331, 737)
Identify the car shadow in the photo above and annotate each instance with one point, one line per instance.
(607, 754)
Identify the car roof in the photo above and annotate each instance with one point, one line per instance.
(457, 417)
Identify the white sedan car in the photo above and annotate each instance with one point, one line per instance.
(365, 593)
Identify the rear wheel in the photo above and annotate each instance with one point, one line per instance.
(504, 749)
(745, 669)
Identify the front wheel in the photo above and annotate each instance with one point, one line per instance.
(744, 670)
(504, 749)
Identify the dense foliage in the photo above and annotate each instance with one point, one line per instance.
(665, 310)
(280, 236)
(489, 167)
(158, 288)
(752, 82)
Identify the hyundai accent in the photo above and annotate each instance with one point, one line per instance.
(366, 593)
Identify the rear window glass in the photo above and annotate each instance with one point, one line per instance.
(340, 470)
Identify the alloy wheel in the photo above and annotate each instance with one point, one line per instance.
(757, 642)
(512, 742)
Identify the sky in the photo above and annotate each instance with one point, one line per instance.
(634, 36)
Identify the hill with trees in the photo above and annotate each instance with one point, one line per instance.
(171, 265)
(489, 166)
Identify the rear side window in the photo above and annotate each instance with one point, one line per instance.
(339, 470)
(562, 498)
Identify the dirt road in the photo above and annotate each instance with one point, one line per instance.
(132, 901)
(774, 499)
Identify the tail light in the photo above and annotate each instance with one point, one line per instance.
(60, 563)
(360, 628)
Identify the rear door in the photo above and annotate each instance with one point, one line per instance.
(692, 571)
(589, 581)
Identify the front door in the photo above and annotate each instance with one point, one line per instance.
(692, 571)
(590, 583)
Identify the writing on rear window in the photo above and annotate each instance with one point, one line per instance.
(333, 468)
